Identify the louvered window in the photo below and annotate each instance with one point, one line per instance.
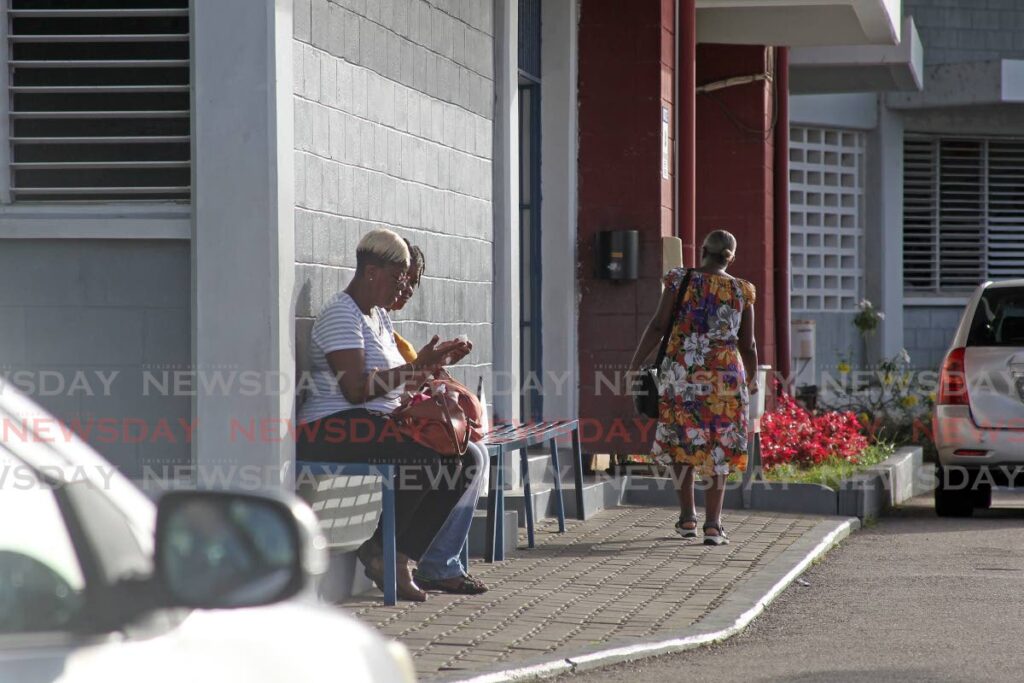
(99, 100)
(963, 212)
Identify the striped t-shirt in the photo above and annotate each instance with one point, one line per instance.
(341, 326)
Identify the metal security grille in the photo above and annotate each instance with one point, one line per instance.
(98, 99)
(963, 212)
(826, 200)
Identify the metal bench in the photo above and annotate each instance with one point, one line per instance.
(510, 438)
(500, 440)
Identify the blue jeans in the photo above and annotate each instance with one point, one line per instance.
(442, 558)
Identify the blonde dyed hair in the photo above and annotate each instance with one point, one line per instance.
(720, 244)
(381, 247)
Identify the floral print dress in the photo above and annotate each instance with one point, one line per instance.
(702, 414)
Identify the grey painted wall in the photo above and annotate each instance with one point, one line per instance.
(927, 333)
(393, 112)
(835, 337)
(73, 308)
(968, 30)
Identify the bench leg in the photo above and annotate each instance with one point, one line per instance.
(524, 466)
(388, 534)
(559, 503)
(499, 536)
(577, 463)
(490, 542)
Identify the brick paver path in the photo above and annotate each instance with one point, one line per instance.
(620, 575)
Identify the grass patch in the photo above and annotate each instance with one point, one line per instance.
(833, 470)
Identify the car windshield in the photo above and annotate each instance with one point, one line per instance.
(999, 318)
(42, 587)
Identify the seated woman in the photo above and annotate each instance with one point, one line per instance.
(436, 560)
(358, 378)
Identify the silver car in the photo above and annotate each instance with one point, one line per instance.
(979, 409)
(99, 584)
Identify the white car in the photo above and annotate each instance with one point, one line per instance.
(979, 409)
(98, 584)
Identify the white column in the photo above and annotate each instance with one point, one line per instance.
(243, 239)
(506, 392)
(559, 163)
(883, 248)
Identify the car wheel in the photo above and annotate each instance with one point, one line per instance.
(983, 497)
(952, 497)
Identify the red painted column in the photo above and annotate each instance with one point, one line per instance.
(688, 129)
(735, 179)
(626, 77)
(781, 223)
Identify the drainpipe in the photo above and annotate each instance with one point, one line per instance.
(780, 177)
(687, 104)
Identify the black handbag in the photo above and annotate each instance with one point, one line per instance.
(646, 390)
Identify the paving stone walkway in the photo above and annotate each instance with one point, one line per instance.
(623, 574)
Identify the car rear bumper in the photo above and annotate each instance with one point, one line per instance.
(954, 430)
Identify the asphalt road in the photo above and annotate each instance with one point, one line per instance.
(911, 598)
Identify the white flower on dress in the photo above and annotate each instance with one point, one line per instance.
(695, 347)
(730, 436)
(697, 436)
(726, 323)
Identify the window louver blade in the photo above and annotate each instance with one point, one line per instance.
(963, 212)
(99, 100)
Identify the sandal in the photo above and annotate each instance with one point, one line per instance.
(685, 532)
(371, 555)
(460, 585)
(719, 539)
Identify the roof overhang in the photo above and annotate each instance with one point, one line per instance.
(859, 68)
(799, 23)
(999, 81)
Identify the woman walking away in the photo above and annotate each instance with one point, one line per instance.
(705, 391)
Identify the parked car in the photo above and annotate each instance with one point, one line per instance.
(99, 584)
(979, 413)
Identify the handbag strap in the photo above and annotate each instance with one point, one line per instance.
(672, 319)
(449, 427)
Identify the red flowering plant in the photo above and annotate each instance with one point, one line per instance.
(790, 435)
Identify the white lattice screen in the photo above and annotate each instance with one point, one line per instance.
(826, 203)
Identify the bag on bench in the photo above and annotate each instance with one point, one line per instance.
(443, 416)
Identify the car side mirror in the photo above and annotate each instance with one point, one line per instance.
(220, 550)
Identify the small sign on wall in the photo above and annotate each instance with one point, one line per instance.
(664, 143)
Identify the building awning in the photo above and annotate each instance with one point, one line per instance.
(859, 68)
(998, 81)
(799, 23)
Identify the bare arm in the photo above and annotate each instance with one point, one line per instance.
(358, 385)
(748, 346)
(655, 329)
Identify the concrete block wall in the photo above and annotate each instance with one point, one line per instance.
(81, 324)
(393, 115)
(928, 332)
(393, 127)
(968, 30)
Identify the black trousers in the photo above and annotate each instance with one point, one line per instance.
(426, 490)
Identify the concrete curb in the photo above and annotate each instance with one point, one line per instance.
(738, 610)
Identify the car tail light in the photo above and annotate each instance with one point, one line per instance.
(969, 451)
(953, 380)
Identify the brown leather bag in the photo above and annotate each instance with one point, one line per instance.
(470, 405)
(433, 418)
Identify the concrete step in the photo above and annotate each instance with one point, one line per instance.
(599, 493)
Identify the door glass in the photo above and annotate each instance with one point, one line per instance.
(41, 583)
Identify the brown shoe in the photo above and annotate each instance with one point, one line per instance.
(407, 588)
(461, 585)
